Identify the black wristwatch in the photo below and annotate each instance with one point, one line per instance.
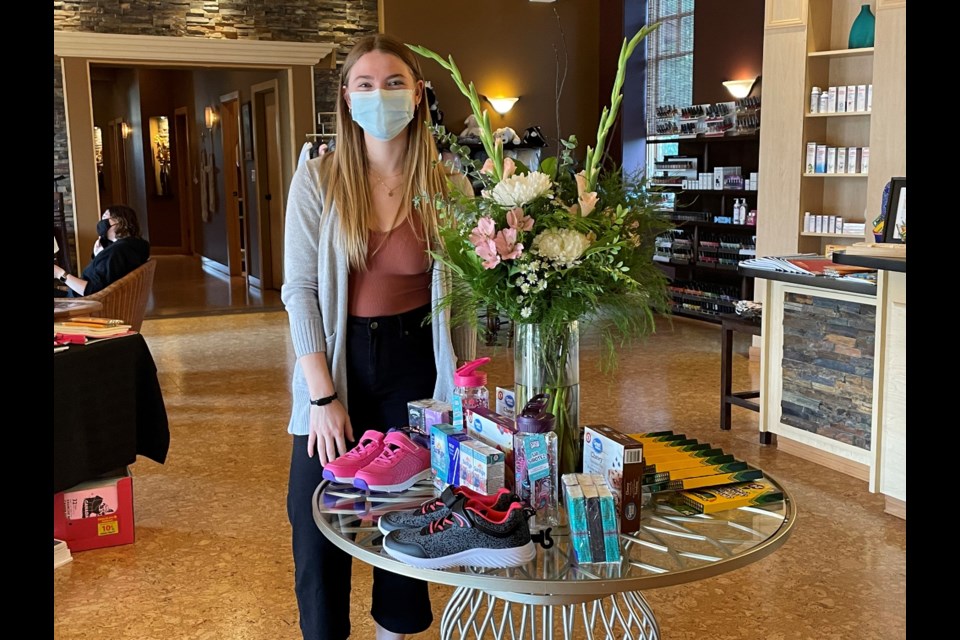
(63, 278)
(321, 402)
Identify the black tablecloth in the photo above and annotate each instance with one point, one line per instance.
(107, 409)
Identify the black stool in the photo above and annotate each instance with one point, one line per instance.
(731, 322)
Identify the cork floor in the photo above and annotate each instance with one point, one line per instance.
(212, 553)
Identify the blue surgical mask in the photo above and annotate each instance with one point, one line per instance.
(382, 114)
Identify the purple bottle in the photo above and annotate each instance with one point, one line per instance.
(535, 461)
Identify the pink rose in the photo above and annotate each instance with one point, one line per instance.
(507, 245)
(518, 221)
(487, 251)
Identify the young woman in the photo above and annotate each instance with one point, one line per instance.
(119, 249)
(358, 285)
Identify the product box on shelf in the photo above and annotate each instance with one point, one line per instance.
(853, 159)
(445, 454)
(821, 163)
(481, 467)
(811, 165)
(423, 414)
(861, 97)
(618, 459)
(832, 100)
(865, 160)
(506, 402)
(869, 97)
(497, 431)
(851, 98)
(96, 514)
(841, 99)
(842, 160)
(592, 516)
(831, 159)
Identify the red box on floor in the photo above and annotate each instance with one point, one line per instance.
(95, 514)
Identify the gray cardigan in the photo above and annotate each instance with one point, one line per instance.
(314, 292)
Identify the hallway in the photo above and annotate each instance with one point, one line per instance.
(187, 286)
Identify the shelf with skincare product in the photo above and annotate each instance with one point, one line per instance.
(835, 175)
(855, 114)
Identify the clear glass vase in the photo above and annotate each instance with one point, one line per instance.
(549, 362)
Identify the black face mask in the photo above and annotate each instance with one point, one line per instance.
(102, 228)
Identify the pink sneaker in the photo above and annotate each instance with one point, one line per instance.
(344, 468)
(399, 466)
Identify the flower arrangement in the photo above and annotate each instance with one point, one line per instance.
(569, 241)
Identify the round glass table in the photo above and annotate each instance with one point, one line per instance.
(553, 596)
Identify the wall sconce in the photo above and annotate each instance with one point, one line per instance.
(739, 88)
(210, 117)
(502, 105)
(125, 130)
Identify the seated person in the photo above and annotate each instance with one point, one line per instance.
(118, 251)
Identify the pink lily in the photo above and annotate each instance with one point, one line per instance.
(487, 166)
(509, 167)
(487, 250)
(518, 221)
(587, 199)
(485, 230)
(507, 245)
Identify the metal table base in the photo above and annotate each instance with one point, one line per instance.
(473, 613)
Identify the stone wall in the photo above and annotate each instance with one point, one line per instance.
(338, 21)
(828, 367)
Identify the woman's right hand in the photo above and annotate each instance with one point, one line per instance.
(330, 429)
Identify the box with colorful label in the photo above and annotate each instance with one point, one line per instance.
(445, 442)
(733, 496)
(618, 458)
(95, 514)
(497, 431)
(506, 402)
(423, 414)
(481, 467)
(592, 516)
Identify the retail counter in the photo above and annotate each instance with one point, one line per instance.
(823, 368)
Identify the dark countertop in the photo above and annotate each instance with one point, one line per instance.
(886, 263)
(822, 282)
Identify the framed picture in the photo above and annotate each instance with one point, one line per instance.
(246, 130)
(895, 221)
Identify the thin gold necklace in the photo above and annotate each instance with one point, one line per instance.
(390, 190)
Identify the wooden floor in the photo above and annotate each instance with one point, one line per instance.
(187, 286)
(212, 554)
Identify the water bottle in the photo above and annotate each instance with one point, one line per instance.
(470, 390)
(535, 462)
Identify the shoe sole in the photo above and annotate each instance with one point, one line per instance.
(329, 475)
(360, 483)
(479, 557)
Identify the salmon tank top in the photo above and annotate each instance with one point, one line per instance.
(398, 274)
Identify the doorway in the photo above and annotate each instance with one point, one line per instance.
(269, 186)
(183, 169)
(232, 184)
(118, 162)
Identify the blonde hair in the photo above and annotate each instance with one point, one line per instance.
(347, 167)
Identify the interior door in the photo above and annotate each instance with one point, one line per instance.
(230, 122)
(183, 169)
(272, 200)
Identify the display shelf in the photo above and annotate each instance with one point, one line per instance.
(835, 175)
(845, 114)
(703, 138)
(842, 53)
(809, 234)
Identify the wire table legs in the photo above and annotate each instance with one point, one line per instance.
(471, 613)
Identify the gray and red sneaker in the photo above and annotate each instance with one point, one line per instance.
(401, 464)
(467, 535)
(438, 508)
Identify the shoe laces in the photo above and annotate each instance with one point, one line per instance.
(430, 507)
(360, 449)
(452, 520)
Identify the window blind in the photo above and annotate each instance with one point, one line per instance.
(669, 56)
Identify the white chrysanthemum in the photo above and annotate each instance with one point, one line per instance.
(534, 264)
(532, 278)
(518, 190)
(525, 312)
(561, 245)
(524, 287)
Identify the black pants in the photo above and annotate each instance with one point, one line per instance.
(389, 362)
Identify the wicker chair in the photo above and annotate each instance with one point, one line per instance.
(126, 299)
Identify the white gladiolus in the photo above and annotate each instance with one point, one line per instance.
(561, 245)
(518, 190)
